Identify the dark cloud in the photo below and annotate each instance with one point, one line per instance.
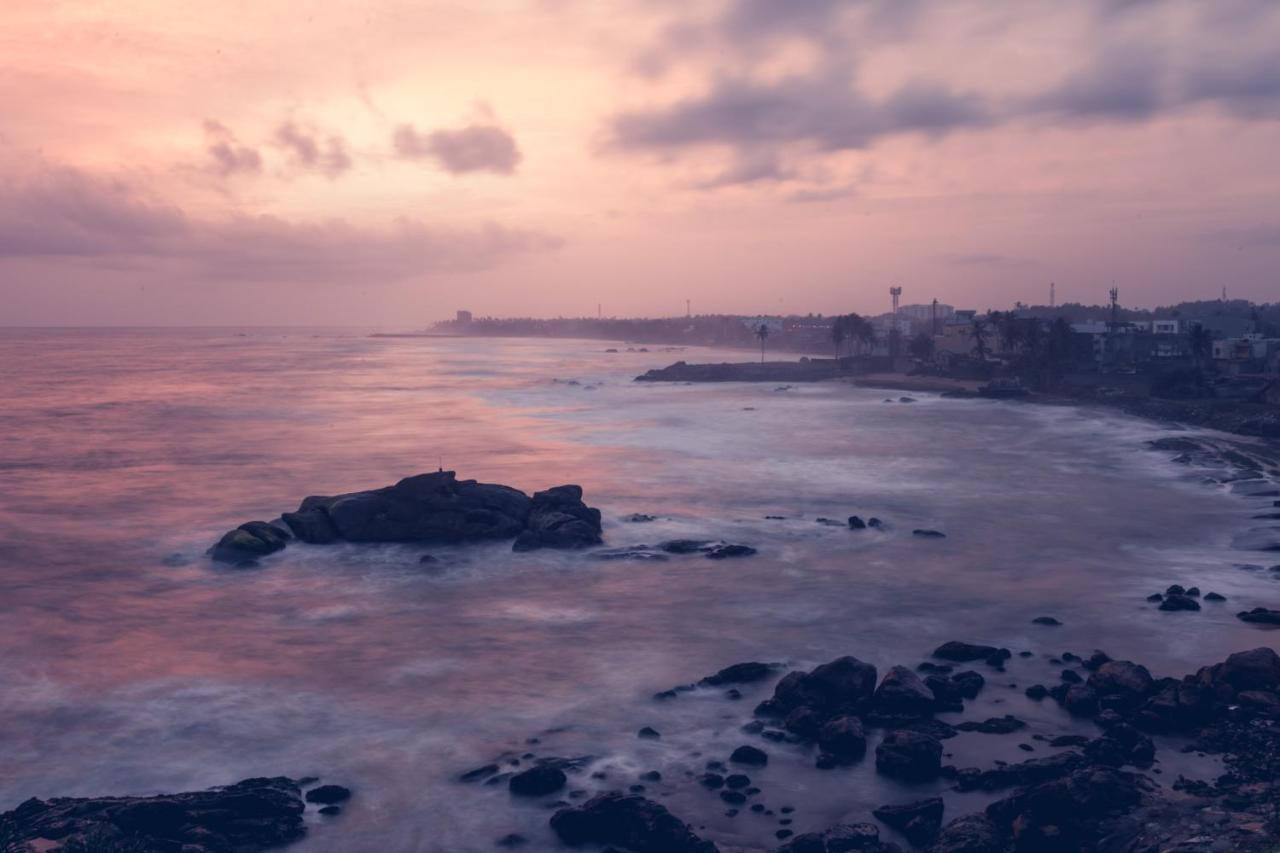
(70, 215)
(312, 151)
(475, 148)
(1120, 83)
(824, 109)
(1143, 59)
(229, 157)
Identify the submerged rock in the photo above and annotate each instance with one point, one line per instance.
(1260, 616)
(253, 815)
(632, 822)
(537, 781)
(964, 652)
(249, 541)
(740, 673)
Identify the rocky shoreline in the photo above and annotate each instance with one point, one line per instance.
(1097, 792)
(256, 814)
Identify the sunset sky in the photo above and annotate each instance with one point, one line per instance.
(388, 162)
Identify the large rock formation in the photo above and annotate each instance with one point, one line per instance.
(632, 822)
(256, 814)
(431, 508)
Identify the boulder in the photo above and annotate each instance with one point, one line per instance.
(902, 693)
(537, 781)
(1179, 602)
(559, 519)
(249, 541)
(328, 795)
(910, 756)
(844, 685)
(1121, 684)
(1257, 669)
(253, 815)
(919, 821)
(311, 526)
(841, 838)
(843, 737)
(1066, 813)
(975, 833)
(1260, 616)
(728, 550)
(964, 652)
(631, 822)
(749, 755)
(993, 725)
(740, 673)
(928, 534)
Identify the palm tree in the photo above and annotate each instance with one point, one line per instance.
(762, 332)
(865, 332)
(978, 332)
(1008, 328)
(922, 346)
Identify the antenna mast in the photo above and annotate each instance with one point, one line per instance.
(894, 293)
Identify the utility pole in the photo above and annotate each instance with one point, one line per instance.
(933, 316)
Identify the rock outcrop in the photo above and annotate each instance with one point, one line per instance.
(256, 814)
(429, 508)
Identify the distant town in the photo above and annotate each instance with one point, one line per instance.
(1225, 349)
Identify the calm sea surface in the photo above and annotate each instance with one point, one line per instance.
(129, 664)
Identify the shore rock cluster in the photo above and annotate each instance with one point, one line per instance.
(256, 814)
(1092, 794)
(436, 508)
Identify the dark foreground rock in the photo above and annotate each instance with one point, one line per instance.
(256, 814)
(632, 822)
(841, 838)
(434, 508)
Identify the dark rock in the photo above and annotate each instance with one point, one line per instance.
(1257, 669)
(749, 755)
(726, 551)
(1070, 676)
(844, 684)
(909, 755)
(856, 523)
(1037, 692)
(427, 560)
(512, 840)
(875, 523)
(537, 781)
(1193, 591)
(328, 795)
(711, 781)
(248, 542)
(1045, 620)
(330, 811)
(1066, 813)
(1121, 744)
(737, 781)
(1179, 602)
(963, 652)
(928, 534)
(311, 526)
(733, 798)
(632, 822)
(1175, 589)
(1260, 616)
(478, 773)
(1080, 700)
(1095, 661)
(1155, 596)
(1121, 684)
(1213, 596)
(740, 673)
(993, 726)
(559, 519)
(246, 817)
(648, 733)
(974, 833)
(1030, 772)
(901, 692)
(919, 821)
(843, 738)
(639, 518)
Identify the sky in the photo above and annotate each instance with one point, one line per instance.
(387, 162)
